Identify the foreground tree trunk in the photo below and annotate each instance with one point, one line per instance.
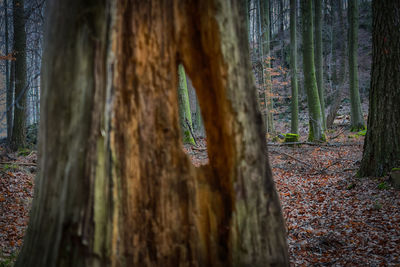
(316, 131)
(357, 121)
(382, 143)
(293, 68)
(115, 187)
(19, 122)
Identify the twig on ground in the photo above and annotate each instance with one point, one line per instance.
(350, 169)
(19, 163)
(336, 136)
(199, 148)
(289, 156)
(315, 144)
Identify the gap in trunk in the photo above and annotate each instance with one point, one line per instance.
(190, 121)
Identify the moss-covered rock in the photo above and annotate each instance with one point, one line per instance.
(291, 137)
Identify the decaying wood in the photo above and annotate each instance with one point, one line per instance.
(115, 187)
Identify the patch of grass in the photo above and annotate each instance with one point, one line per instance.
(23, 152)
(362, 133)
(10, 167)
(383, 186)
(7, 261)
(351, 186)
(377, 205)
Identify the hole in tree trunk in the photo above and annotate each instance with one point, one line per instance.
(193, 134)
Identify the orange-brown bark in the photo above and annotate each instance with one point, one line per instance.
(158, 209)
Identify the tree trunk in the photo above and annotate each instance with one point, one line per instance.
(268, 105)
(282, 31)
(335, 43)
(340, 68)
(319, 58)
(19, 123)
(316, 131)
(293, 68)
(185, 117)
(115, 187)
(382, 142)
(357, 121)
(245, 7)
(342, 46)
(9, 92)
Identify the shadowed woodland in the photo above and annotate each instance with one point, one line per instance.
(200, 133)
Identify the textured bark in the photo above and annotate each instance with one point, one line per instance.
(382, 143)
(185, 116)
(319, 58)
(71, 211)
(316, 131)
(115, 187)
(19, 122)
(293, 68)
(357, 121)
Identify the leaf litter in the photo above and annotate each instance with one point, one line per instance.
(332, 217)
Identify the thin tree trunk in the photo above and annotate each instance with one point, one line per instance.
(185, 116)
(341, 70)
(316, 130)
(195, 109)
(382, 142)
(9, 92)
(337, 30)
(19, 122)
(115, 187)
(293, 68)
(342, 45)
(268, 104)
(245, 6)
(319, 58)
(282, 31)
(357, 121)
(335, 43)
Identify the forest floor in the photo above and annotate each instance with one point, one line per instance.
(332, 217)
(17, 172)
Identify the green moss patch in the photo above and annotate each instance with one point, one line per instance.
(291, 137)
